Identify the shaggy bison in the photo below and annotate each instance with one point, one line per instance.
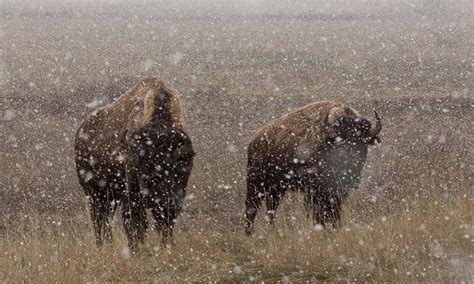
(319, 149)
(136, 153)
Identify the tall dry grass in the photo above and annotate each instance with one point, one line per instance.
(429, 241)
(411, 219)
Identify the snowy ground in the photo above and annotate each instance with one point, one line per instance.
(238, 65)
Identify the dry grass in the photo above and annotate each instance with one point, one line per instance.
(430, 241)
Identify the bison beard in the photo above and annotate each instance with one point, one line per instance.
(135, 152)
(319, 149)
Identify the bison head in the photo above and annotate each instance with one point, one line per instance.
(353, 128)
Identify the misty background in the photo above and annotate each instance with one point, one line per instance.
(237, 65)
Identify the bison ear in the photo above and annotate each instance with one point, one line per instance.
(333, 114)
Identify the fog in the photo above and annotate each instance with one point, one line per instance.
(210, 8)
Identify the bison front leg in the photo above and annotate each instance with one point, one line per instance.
(308, 203)
(316, 201)
(319, 212)
(165, 219)
(134, 215)
(133, 210)
(135, 223)
(273, 199)
(334, 211)
(112, 206)
(327, 209)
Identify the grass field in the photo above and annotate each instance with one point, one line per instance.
(238, 65)
(428, 242)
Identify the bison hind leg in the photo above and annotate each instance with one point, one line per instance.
(335, 212)
(111, 208)
(97, 220)
(252, 204)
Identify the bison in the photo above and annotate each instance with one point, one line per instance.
(135, 153)
(319, 149)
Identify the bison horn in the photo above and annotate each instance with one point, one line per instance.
(330, 120)
(378, 126)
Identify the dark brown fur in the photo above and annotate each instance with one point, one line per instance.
(117, 149)
(319, 149)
